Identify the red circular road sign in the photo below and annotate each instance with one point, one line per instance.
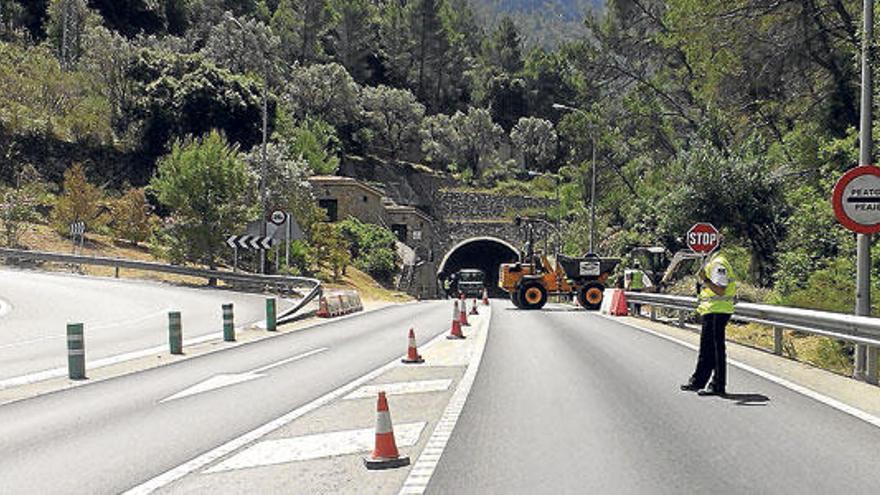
(856, 199)
(703, 238)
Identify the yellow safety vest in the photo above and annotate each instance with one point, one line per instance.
(637, 281)
(710, 302)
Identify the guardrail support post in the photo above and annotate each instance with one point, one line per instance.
(653, 313)
(777, 341)
(116, 272)
(270, 314)
(76, 352)
(871, 365)
(228, 323)
(681, 319)
(175, 333)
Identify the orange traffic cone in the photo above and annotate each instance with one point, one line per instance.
(455, 333)
(385, 454)
(485, 297)
(412, 354)
(323, 311)
(474, 308)
(618, 304)
(462, 316)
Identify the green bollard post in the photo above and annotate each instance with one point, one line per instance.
(270, 314)
(228, 323)
(175, 333)
(76, 352)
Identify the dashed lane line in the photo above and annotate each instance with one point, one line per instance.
(254, 435)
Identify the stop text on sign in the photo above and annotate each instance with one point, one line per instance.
(703, 238)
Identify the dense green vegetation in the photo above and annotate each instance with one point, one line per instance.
(739, 112)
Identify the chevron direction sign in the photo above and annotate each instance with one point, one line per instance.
(249, 242)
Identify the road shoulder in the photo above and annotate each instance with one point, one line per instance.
(854, 397)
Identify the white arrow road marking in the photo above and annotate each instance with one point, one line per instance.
(309, 447)
(225, 380)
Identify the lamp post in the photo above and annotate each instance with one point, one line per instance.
(264, 159)
(559, 106)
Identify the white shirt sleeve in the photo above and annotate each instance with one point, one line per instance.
(719, 275)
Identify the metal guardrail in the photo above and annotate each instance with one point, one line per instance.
(279, 282)
(856, 329)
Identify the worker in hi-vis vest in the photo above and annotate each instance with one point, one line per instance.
(634, 280)
(716, 300)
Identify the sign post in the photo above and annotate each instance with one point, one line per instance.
(856, 202)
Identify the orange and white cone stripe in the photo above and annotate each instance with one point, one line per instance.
(462, 316)
(485, 297)
(474, 310)
(412, 353)
(385, 454)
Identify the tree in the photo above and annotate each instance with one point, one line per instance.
(373, 248)
(287, 187)
(395, 117)
(440, 140)
(20, 203)
(109, 57)
(353, 38)
(314, 142)
(536, 140)
(505, 47)
(180, 95)
(66, 27)
(429, 46)
(326, 92)
(302, 26)
(131, 216)
(479, 137)
(205, 184)
(251, 48)
(80, 201)
(329, 249)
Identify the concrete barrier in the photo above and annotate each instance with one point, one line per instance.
(339, 303)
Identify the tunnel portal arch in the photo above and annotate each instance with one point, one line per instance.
(482, 253)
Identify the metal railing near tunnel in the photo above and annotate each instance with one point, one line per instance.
(861, 330)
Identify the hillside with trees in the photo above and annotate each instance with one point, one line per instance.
(738, 112)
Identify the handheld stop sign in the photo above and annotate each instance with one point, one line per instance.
(703, 238)
(856, 199)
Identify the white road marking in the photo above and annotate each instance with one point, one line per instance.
(5, 307)
(227, 448)
(226, 380)
(400, 388)
(836, 404)
(418, 478)
(309, 447)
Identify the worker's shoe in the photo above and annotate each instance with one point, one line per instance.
(690, 387)
(712, 390)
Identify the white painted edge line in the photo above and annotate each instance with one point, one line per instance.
(49, 374)
(828, 401)
(420, 474)
(5, 307)
(203, 460)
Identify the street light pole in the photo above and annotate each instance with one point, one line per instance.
(264, 159)
(559, 106)
(865, 366)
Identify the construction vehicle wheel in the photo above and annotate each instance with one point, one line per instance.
(514, 298)
(532, 295)
(590, 296)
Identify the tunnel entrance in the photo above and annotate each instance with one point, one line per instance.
(482, 253)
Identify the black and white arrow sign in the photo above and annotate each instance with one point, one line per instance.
(77, 228)
(249, 242)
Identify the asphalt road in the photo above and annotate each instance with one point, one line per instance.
(109, 436)
(119, 316)
(570, 402)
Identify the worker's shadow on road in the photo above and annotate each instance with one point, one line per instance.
(748, 399)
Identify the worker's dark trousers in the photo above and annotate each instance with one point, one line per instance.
(713, 352)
